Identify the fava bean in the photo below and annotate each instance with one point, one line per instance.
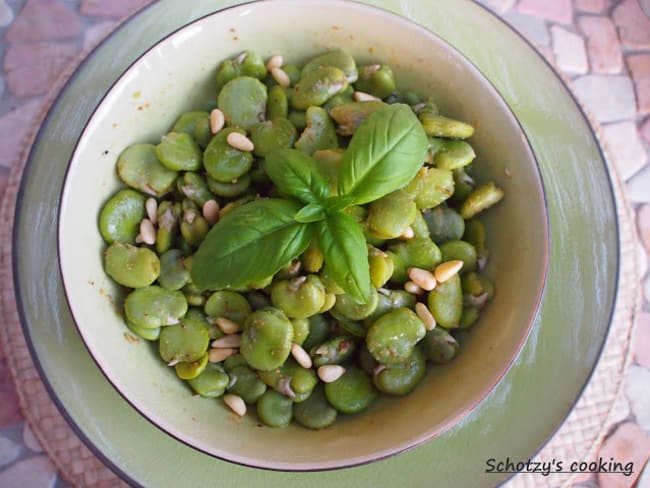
(211, 383)
(120, 217)
(401, 378)
(266, 340)
(446, 302)
(275, 409)
(351, 393)
(315, 412)
(131, 266)
(153, 306)
(139, 167)
(393, 336)
(439, 346)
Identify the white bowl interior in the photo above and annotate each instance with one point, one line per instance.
(175, 76)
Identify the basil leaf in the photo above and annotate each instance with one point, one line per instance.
(384, 154)
(296, 174)
(249, 244)
(335, 204)
(312, 212)
(346, 254)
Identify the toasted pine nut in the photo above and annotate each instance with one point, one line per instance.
(423, 278)
(363, 97)
(235, 403)
(296, 283)
(218, 355)
(413, 288)
(330, 372)
(275, 61)
(281, 77)
(228, 326)
(425, 315)
(240, 141)
(210, 211)
(151, 205)
(227, 341)
(147, 232)
(217, 120)
(372, 68)
(409, 233)
(446, 270)
(138, 239)
(301, 356)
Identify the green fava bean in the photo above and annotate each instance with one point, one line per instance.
(258, 300)
(291, 380)
(475, 234)
(319, 133)
(476, 285)
(445, 224)
(351, 393)
(468, 317)
(348, 116)
(190, 370)
(139, 167)
(187, 122)
(194, 187)
(174, 275)
(251, 64)
(440, 126)
(402, 378)
(460, 250)
(463, 184)
(319, 329)
(377, 80)
(131, 266)
(245, 383)
(339, 59)
(272, 134)
(420, 227)
(229, 305)
(446, 302)
(431, 187)
(298, 118)
(144, 332)
(312, 259)
(300, 330)
(334, 351)
(231, 189)
(381, 267)
(299, 297)
(454, 155)
(482, 198)
(317, 86)
(203, 132)
(120, 217)
(211, 383)
(198, 318)
(222, 161)
(315, 412)
(417, 252)
(179, 151)
(393, 336)
(275, 409)
(350, 309)
(243, 102)
(183, 343)
(293, 72)
(193, 295)
(194, 228)
(439, 346)
(266, 340)
(392, 214)
(169, 215)
(231, 362)
(153, 306)
(277, 104)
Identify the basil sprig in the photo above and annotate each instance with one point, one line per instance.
(256, 240)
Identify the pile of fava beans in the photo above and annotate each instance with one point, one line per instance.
(300, 344)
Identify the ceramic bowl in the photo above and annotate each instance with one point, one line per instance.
(174, 76)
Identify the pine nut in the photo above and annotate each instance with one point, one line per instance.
(301, 356)
(228, 326)
(281, 77)
(330, 372)
(240, 141)
(147, 232)
(210, 211)
(363, 97)
(275, 61)
(151, 205)
(446, 270)
(423, 278)
(235, 403)
(409, 233)
(218, 355)
(425, 315)
(227, 341)
(372, 68)
(217, 120)
(413, 288)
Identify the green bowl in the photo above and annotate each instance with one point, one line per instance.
(175, 75)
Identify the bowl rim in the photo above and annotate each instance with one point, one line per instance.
(406, 445)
